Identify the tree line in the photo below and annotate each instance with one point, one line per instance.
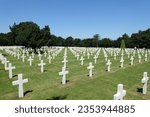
(29, 34)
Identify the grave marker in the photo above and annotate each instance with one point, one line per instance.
(10, 68)
(23, 57)
(144, 81)
(90, 68)
(121, 61)
(50, 59)
(39, 55)
(120, 93)
(108, 65)
(131, 60)
(42, 65)
(139, 56)
(95, 59)
(63, 74)
(30, 61)
(82, 59)
(20, 83)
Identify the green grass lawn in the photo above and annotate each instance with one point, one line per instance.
(47, 85)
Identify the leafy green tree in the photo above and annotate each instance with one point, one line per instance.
(3, 39)
(29, 34)
(123, 46)
(69, 41)
(106, 42)
(96, 39)
(26, 34)
(45, 36)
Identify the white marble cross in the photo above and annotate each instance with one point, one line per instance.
(95, 59)
(49, 59)
(128, 54)
(18, 55)
(23, 57)
(139, 56)
(122, 54)
(42, 65)
(39, 55)
(144, 81)
(131, 60)
(5, 63)
(78, 56)
(49, 52)
(108, 65)
(45, 54)
(65, 62)
(32, 54)
(88, 54)
(105, 57)
(23, 51)
(14, 54)
(27, 53)
(63, 74)
(10, 68)
(30, 61)
(53, 55)
(81, 59)
(120, 93)
(90, 68)
(146, 57)
(20, 82)
(115, 56)
(121, 61)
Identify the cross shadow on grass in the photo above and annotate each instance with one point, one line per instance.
(26, 92)
(60, 97)
(67, 81)
(140, 90)
(4, 55)
(88, 75)
(45, 70)
(14, 76)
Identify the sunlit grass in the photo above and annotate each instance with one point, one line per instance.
(47, 85)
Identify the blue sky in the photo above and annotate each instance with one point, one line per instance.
(79, 18)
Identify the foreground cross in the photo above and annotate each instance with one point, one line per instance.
(90, 67)
(144, 81)
(10, 68)
(42, 65)
(120, 93)
(63, 74)
(20, 82)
